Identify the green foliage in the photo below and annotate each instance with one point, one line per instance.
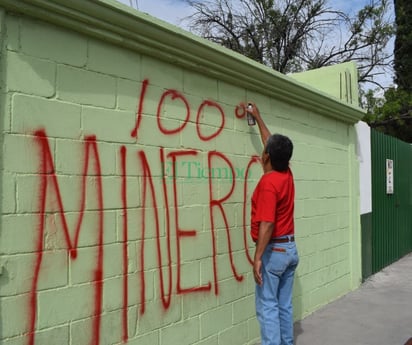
(391, 114)
(403, 44)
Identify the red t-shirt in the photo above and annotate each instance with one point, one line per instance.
(273, 201)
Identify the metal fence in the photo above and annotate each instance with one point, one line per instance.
(391, 200)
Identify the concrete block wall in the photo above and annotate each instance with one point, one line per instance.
(125, 180)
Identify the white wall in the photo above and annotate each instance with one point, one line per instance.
(364, 156)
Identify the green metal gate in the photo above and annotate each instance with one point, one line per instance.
(391, 213)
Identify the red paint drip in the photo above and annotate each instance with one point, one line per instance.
(125, 332)
(166, 299)
(99, 269)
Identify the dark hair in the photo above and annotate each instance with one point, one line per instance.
(280, 149)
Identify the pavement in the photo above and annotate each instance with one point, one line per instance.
(379, 312)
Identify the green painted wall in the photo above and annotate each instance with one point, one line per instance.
(108, 237)
(339, 81)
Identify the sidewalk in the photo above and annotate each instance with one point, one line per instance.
(378, 313)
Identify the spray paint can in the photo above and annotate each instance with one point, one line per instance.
(251, 121)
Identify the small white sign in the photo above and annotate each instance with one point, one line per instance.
(389, 176)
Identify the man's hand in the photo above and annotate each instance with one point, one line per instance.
(257, 271)
(265, 234)
(264, 131)
(254, 111)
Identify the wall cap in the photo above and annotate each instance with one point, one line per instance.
(121, 25)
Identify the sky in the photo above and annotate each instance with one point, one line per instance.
(173, 11)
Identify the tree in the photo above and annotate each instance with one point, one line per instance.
(403, 44)
(296, 35)
(392, 114)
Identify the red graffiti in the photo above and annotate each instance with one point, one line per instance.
(219, 203)
(254, 159)
(153, 200)
(240, 111)
(48, 177)
(180, 233)
(139, 112)
(173, 94)
(199, 113)
(165, 299)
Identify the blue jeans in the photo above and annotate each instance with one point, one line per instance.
(274, 297)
